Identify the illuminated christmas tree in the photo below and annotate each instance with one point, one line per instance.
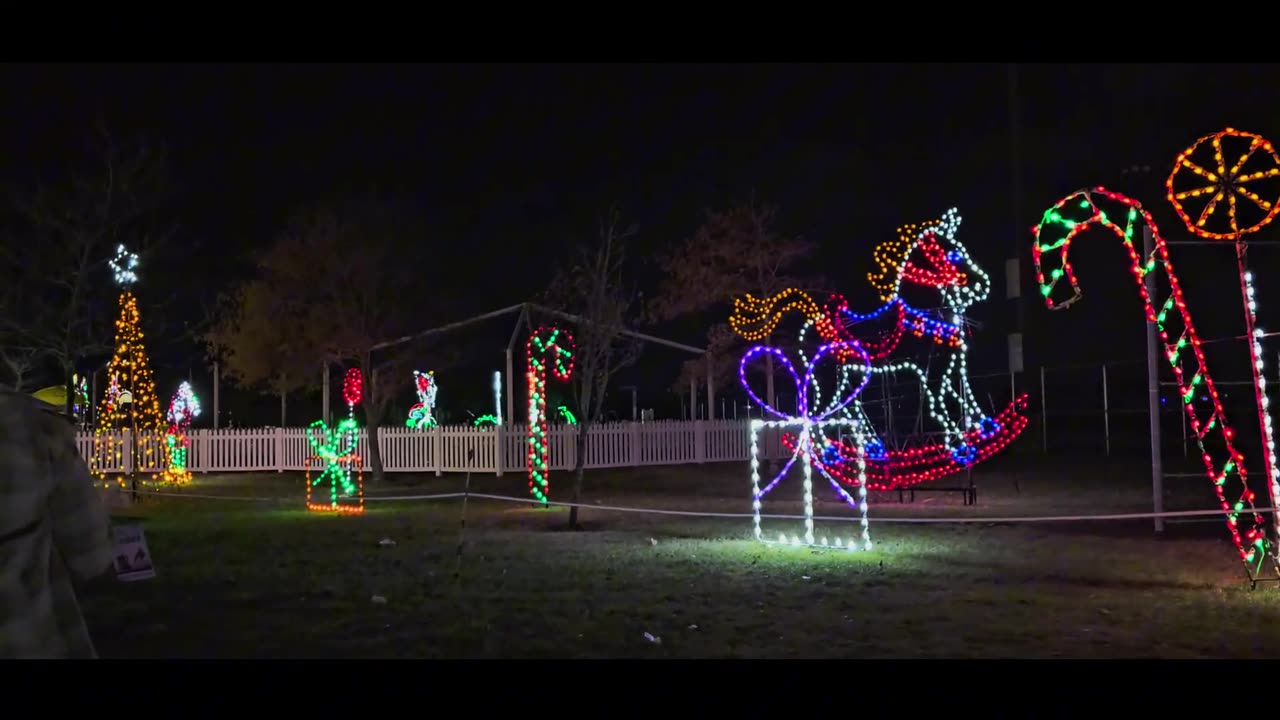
(130, 402)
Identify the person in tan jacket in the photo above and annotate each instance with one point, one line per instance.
(54, 530)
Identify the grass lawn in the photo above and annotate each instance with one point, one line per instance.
(261, 579)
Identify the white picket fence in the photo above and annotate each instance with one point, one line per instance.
(446, 449)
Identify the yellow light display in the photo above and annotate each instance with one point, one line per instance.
(755, 318)
(891, 258)
(1226, 185)
(129, 372)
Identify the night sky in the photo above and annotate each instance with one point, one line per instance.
(517, 162)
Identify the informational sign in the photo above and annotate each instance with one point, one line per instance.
(1015, 352)
(132, 557)
(1012, 278)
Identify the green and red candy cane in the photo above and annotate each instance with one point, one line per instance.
(1123, 217)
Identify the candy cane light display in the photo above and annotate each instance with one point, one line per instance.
(810, 420)
(549, 351)
(183, 408)
(337, 448)
(1098, 209)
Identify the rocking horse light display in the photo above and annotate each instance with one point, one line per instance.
(931, 257)
(336, 447)
(1215, 181)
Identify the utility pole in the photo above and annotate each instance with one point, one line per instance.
(1013, 266)
(217, 380)
(634, 413)
(1153, 352)
(1153, 390)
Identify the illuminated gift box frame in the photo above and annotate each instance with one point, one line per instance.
(355, 502)
(804, 447)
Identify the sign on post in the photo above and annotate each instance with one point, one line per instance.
(132, 557)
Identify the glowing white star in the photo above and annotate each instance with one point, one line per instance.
(123, 265)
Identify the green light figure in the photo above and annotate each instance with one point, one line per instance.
(334, 446)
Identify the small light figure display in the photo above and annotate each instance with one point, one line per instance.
(80, 398)
(497, 396)
(337, 448)
(422, 414)
(484, 422)
(183, 408)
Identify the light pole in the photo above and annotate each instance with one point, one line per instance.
(126, 401)
(632, 388)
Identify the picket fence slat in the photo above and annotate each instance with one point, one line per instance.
(448, 449)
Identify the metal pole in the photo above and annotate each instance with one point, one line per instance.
(1153, 390)
(511, 343)
(1106, 412)
(888, 410)
(1044, 416)
(693, 397)
(1185, 448)
(216, 379)
(511, 389)
(711, 390)
(634, 407)
(324, 394)
(1255, 363)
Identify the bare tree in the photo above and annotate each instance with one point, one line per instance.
(594, 288)
(254, 346)
(16, 361)
(735, 252)
(724, 363)
(68, 231)
(16, 367)
(333, 285)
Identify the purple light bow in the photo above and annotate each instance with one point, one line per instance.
(837, 403)
(804, 442)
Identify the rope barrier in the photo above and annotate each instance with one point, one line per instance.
(705, 514)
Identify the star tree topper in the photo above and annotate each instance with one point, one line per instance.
(123, 266)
